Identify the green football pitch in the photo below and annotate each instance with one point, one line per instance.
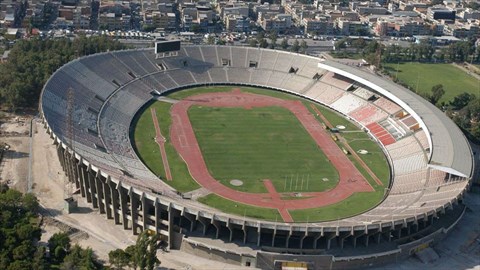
(261, 143)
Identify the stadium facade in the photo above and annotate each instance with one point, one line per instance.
(88, 106)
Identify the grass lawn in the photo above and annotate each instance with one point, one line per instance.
(454, 80)
(149, 151)
(240, 209)
(225, 88)
(260, 143)
(375, 159)
(353, 205)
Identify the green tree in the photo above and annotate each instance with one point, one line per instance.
(79, 258)
(39, 261)
(263, 43)
(273, 38)
(119, 259)
(461, 100)
(253, 42)
(59, 244)
(303, 46)
(437, 93)
(284, 44)
(296, 46)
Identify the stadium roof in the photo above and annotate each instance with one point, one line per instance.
(450, 150)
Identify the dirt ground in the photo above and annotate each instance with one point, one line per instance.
(14, 132)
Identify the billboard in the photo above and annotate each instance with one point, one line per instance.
(167, 46)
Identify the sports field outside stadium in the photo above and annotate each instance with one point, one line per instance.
(256, 144)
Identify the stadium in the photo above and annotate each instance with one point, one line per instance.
(92, 105)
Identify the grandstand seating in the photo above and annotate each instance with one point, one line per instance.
(367, 114)
(324, 93)
(348, 103)
(364, 93)
(381, 133)
(336, 80)
(387, 105)
(405, 147)
(409, 121)
(422, 138)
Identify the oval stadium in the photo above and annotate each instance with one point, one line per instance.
(258, 157)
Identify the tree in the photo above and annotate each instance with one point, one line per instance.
(39, 259)
(296, 46)
(263, 43)
(253, 42)
(195, 28)
(284, 44)
(303, 46)
(341, 44)
(142, 255)
(59, 245)
(79, 258)
(437, 93)
(461, 100)
(273, 38)
(210, 40)
(119, 259)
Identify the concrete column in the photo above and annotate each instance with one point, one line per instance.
(170, 225)
(216, 225)
(99, 193)
(355, 237)
(342, 238)
(329, 237)
(107, 198)
(315, 241)
(303, 238)
(123, 205)
(76, 170)
(86, 182)
(192, 221)
(204, 224)
(115, 202)
(229, 226)
(59, 149)
(274, 234)
(259, 230)
(288, 237)
(244, 229)
(82, 178)
(133, 210)
(156, 204)
(91, 184)
(145, 210)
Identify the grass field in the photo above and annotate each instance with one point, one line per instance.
(454, 80)
(260, 143)
(265, 133)
(149, 150)
(240, 209)
(355, 204)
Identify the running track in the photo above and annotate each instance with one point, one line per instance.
(184, 140)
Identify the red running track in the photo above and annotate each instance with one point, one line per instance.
(184, 140)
